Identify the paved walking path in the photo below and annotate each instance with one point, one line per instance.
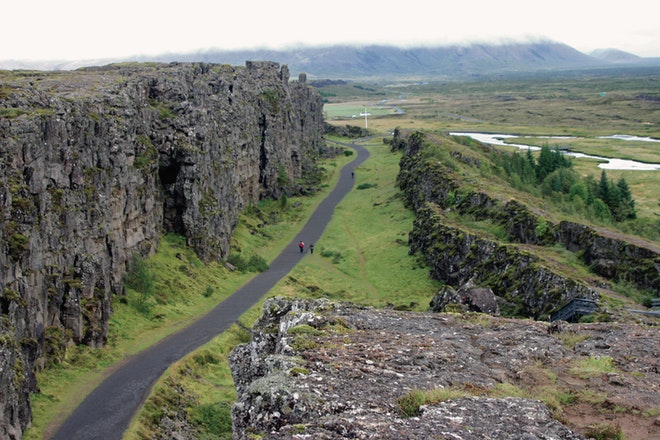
(107, 411)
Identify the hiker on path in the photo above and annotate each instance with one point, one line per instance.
(311, 248)
(301, 245)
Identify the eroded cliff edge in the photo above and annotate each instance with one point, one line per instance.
(518, 267)
(97, 164)
(327, 370)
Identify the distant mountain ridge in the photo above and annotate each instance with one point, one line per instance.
(379, 61)
(383, 61)
(389, 61)
(615, 56)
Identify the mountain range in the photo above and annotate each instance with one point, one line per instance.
(381, 61)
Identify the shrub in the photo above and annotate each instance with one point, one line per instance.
(335, 255)
(604, 431)
(255, 263)
(18, 243)
(213, 418)
(139, 279)
(409, 403)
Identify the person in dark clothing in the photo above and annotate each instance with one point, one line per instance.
(311, 248)
(301, 245)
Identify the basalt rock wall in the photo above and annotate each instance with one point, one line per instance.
(96, 164)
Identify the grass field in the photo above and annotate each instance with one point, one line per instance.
(363, 255)
(580, 104)
(586, 105)
(353, 112)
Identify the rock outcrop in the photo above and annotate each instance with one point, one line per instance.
(525, 284)
(323, 370)
(96, 164)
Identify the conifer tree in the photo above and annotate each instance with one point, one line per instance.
(546, 163)
(626, 209)
(603, 188)
(531, 165)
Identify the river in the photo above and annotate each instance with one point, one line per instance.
(607, 163)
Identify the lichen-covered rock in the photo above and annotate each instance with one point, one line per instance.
(323, 370)
(96, 164)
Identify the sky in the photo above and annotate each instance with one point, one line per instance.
(107, 29)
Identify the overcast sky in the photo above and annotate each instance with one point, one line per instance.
(88, 29)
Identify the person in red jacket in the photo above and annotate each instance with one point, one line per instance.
(301, 245)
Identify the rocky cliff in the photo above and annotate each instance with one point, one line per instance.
(324, 370)
(517, 267)
(97, 163)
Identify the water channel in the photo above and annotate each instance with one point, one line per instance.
(607, 163)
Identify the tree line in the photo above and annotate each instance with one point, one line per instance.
(553, 174)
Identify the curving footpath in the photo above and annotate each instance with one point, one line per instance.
(107, 411)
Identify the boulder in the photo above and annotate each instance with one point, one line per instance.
(472, 298)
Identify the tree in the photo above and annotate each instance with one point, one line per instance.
(578, 189)
(549, 161)
(546, 163)
(603, 188)
(626, 207)
(601, 211)
(559, 181)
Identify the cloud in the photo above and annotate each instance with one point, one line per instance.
(75, 29)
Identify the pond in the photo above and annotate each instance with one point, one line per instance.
(608, 163)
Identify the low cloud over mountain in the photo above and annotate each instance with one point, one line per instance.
(379, 61)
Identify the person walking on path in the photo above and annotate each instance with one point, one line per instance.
(105, 413)
(301, 245)
(311, 248)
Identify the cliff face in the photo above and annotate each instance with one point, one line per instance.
(96, 164)
(526, 284)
